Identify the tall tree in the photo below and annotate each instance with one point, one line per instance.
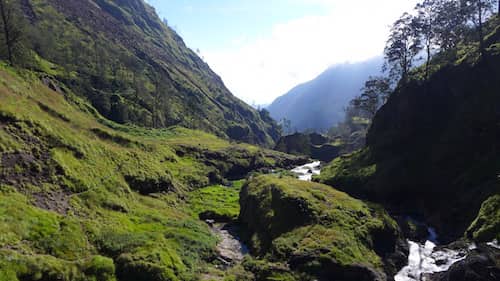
(373, 95)
(11, 27)
(478, 11)
(402, 47)
(450, 24)
(426, 22)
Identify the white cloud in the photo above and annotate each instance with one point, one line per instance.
(298, 50)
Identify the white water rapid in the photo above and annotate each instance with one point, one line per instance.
(306, 172)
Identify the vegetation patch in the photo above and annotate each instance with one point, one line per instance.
(486, 227)
(218, 202)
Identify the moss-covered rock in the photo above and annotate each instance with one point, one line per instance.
(317, 230)
(313, 145)
(486, 227)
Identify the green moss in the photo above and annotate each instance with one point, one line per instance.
(349, 171)
(93, 221)
(486, 227)
(219, 201)
(16, 267)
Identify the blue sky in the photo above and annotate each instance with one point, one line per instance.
(262, 49)
(212, 24)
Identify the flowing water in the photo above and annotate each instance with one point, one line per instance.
(307, 171)
(423, 258)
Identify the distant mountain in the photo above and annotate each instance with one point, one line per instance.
(319, 104)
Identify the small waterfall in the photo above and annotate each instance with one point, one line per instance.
(306, 172)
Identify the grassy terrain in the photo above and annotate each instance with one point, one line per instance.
(82, 198)
(316, 230)
(218, 201)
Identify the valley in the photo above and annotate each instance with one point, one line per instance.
(124, 157)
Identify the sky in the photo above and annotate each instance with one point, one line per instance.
(263, 48)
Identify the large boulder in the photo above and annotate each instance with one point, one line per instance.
(319, 232)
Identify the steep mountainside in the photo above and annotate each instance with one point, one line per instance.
(319, 104)
(433, 149)
(135, 69)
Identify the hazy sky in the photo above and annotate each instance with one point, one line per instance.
(263, 48)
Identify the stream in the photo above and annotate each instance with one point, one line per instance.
(307, 171)
(423, 259)
(230, 248)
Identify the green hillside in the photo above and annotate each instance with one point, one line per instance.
(83, 198)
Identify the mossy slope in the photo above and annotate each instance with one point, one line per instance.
(83, 198)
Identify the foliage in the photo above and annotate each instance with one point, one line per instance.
(11, 26)
(374, 94)
(402, 47)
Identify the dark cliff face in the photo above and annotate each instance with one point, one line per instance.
(433, 149)
(135, 69)
(436, 144)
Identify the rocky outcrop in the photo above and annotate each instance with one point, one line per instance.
(482, 264)
(235, 163)
(318, 231)
(313, 145)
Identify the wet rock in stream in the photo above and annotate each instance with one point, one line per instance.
(231, 250)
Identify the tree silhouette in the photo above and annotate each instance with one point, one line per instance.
(11, 27)
(477, 11)
(402, 47)
(374, 94)
(450, 24)
(426, 22)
